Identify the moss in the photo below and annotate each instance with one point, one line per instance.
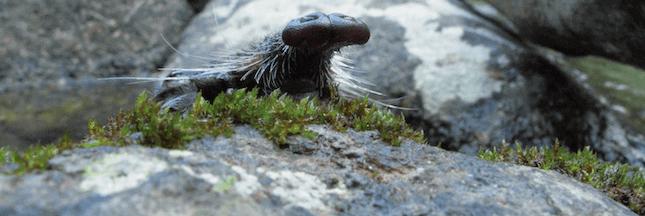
(277, 116)
(47, 116)
(35, 157)
(602, 71)
(225, 185)
(621, 182)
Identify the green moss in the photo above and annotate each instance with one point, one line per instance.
(601, 70)
(35, 157)
(277, 116)
(225, 185)
(477, 2)
(621, 182)
(157, 127)
(46, 116)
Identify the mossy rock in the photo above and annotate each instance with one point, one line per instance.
(277, 116)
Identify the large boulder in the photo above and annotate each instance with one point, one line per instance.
(52, 52)
(611, 29)
(350, 173)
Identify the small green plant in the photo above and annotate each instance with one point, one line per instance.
(156, 127)
(276, 116)
(4, 153)
(363, 117)
(621, 182)
(35, 157)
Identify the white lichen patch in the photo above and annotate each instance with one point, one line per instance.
(208, 177)
(180, 153)
(296, 188)
(247, 183)
(302, 189)
(276, 14)
(119, 172)
(451, 68)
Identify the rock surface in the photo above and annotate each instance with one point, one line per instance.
(612, 29)
(52, 52)
(335, 173)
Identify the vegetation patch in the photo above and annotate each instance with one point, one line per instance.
(277, 116)
(620, 84)
(621, 182)
(35, 157)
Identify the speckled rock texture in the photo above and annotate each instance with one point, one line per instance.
(612, 29)
(350, 173)
(52, 52)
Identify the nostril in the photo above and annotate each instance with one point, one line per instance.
(343, 16)
(347, 29)
(310, 31)
(310, 17)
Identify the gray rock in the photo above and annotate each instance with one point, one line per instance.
(52, 52)
(350, 173)
(475, 83)
(611, 29)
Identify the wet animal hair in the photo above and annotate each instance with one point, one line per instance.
(302, 61)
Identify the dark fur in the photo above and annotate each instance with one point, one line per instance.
(302, 61)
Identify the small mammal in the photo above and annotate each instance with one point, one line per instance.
(302, 61)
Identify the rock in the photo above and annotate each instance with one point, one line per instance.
(51, 54)
(350, 173)
(611, 29)
(475, 83)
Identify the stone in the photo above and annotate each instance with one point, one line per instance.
(53, 52)
(247, 174)
(611, 29)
